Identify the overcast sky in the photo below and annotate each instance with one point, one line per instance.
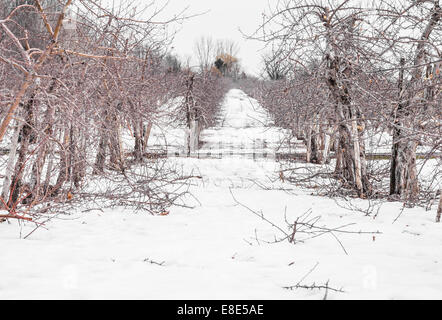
(224, 19)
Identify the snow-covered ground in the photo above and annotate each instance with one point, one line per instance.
(219, 249)
(243, 127)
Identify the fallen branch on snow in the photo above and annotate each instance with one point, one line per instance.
(305, 225)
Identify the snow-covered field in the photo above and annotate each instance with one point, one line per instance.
(219, 249)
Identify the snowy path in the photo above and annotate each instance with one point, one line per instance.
(218, 250)
(243, 127)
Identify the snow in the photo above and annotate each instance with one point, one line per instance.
(243, 125)
(246, 129)
(219, 249)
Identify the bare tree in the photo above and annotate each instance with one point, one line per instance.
(275, 65)
(417, 49)
(205, 51)
(373, 70)
(202, 97)
(307, 32)
(72, 93)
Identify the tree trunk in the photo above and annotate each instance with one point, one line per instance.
(356, 153)
(65, 159)
(192, 133)
(338, 154)
(147, 135)
(439, 209)
(326, 145)
(47, 183)
(316, 141)
(116, 147)
(101, 154)
(42, 152)
(138, 135)
(308, 144)
(403, 171)
(100, 159)
(403, 174)
(77, 162)
(350, 162)
(10, 164)
(25, 139)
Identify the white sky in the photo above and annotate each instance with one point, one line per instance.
(223, 20)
